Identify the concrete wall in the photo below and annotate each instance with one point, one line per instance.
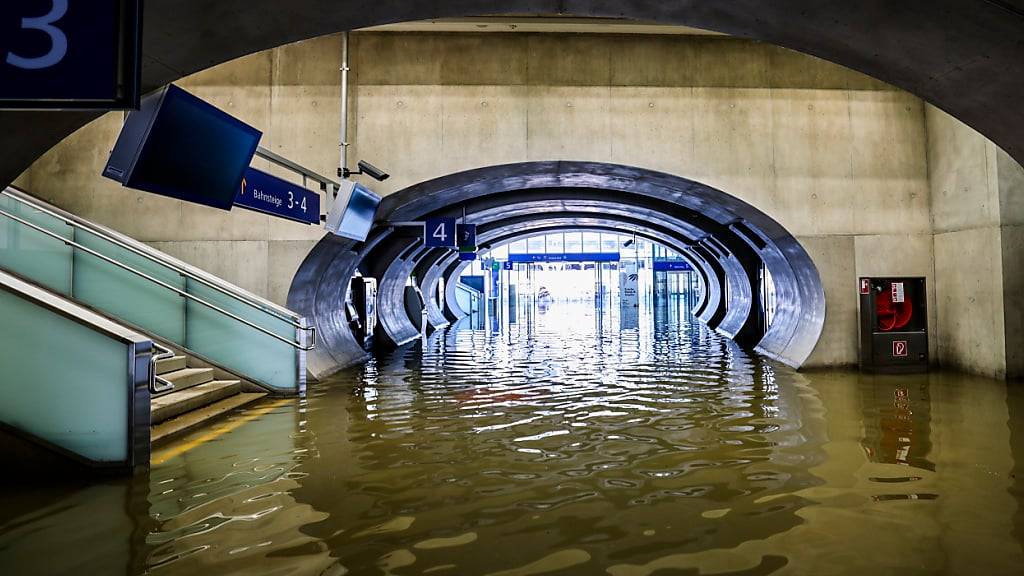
(836, 157)
(977, 195)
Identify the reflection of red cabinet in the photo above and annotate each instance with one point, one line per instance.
(894, 325)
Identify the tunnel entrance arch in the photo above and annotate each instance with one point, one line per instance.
(931, 49)
(728, 239)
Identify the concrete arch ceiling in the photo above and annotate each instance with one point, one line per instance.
(728, 239)
(964, 56)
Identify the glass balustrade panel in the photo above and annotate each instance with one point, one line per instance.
(238, 347)
(63, 382)
(127, 296)
(32, 254)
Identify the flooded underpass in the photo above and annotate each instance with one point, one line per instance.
(575, 440)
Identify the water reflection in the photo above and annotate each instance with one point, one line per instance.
(579, 441)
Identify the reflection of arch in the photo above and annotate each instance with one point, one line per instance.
(931, 49)
(728, 239)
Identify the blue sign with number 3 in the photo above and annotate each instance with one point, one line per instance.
(69, 53)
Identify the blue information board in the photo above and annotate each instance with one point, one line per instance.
(70, 54)
(440, 233)
(566, 257)
(269, 194)
(672, 266)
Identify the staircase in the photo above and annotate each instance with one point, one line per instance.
(197, 398)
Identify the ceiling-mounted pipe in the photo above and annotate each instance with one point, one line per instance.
(344, 104)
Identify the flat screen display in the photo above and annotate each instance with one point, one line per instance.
(353, 215)
(179, 146)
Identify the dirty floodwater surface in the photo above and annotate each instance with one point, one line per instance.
(575, 440)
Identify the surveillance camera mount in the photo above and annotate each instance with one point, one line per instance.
(364, 168)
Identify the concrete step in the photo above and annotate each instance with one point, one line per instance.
(188, 377)
(170, 365)
(181, 401)
(187, 422)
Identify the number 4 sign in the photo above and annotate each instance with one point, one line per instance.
(440, 233)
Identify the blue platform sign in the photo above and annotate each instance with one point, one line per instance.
(566, 257)
(440, 233)
(672, 266)
(269, 194)
(70, 54)
(508, 265)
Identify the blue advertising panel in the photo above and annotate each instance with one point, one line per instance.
(440, 233)
(566, 257)
(269, 194)
(70, 54)
(672, 266)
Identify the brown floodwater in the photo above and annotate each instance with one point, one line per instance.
(573, 441)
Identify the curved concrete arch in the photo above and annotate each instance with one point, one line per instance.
(702, 220)
(964, 56)
(453, 310)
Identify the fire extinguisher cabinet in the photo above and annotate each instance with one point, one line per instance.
(893, 325)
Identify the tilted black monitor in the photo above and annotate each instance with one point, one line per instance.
(179, 146)
(354, 211)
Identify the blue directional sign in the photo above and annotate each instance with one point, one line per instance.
(70, 54)
(672, 266)
(440, 233)
(566, 257)
(269, 194)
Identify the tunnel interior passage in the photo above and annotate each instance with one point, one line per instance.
(729, 243)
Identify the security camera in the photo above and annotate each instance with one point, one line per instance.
(372, 171)
(365, 168)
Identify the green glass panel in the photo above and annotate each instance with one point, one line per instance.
(63, 382)
(32, 254)
(127, 296)
(238, 347)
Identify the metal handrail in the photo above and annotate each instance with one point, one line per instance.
(158, 282)
(158, 385)
(151, 258)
